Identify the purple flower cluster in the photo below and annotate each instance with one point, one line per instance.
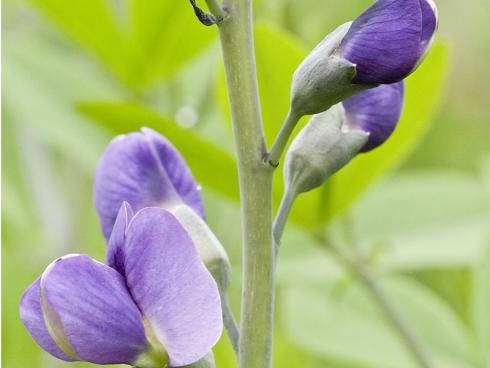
(154, 302)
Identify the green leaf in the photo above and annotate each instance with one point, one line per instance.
(425, 220)
(480, 309)
(140, 42)
(41, 92)
(92, 24)
(211, 165)
(166, 35)
(422, 97)
(350, 328)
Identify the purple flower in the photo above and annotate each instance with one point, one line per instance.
(156, 303)
(389, 40)
(375, 111)
(145, 170)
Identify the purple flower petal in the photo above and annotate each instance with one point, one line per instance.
(89, 302)
(429, 25)
(32, 316)
(171, 286)
(115, 246)
(376, 111)
(384, 41)
(143, 169)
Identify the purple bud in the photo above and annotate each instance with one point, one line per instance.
(375, 111)
(390, 39)
(145, 170)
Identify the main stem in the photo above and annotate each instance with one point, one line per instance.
(255, 180)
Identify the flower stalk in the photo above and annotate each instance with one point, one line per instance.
(255, 181)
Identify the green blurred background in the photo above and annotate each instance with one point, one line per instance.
(76, 73)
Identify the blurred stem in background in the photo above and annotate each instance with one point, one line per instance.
(255, 181)
(355, 262)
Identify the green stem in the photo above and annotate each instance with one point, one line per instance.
(215, 8)
(282, 216)
(230, 323)
(282, 138)
(255, 181)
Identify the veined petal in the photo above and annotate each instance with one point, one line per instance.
(375, 111)
(143, 169)
(87, 304)
(115, 245)
(171, 286)
(384, 41)
(32, 316)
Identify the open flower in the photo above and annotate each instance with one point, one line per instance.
(375, 111)
(389, 40)
(156, 304)
(145, 170)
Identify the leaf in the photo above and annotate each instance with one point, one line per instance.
(480, 308)
(211, 165)
(350, 328)
(140, 42)
(41, 91)
(422, 97)
(425, 220)
(92, 25)
(165, 35)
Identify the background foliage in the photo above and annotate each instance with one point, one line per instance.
(78, 72)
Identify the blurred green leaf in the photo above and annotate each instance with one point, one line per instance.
(92, 24)
(480, 311)
(422, 97)
(139, 41)
(40, 98)
(429, 219)
(211, 165)
(165, 35)
(349, 327)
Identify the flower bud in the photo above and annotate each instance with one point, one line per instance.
(331, 139)
(321, 149)
(323, 78)
(383, 45)
(390, 39)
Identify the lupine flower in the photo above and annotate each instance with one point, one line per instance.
(375, 111)
(333, 138)
(155, 303)
(382, 46)
(390, 39)
(145, 170)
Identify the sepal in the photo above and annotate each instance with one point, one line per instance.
(320, 150)
(210, 249)
(324, 78)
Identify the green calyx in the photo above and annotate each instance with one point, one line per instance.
(155, 356)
